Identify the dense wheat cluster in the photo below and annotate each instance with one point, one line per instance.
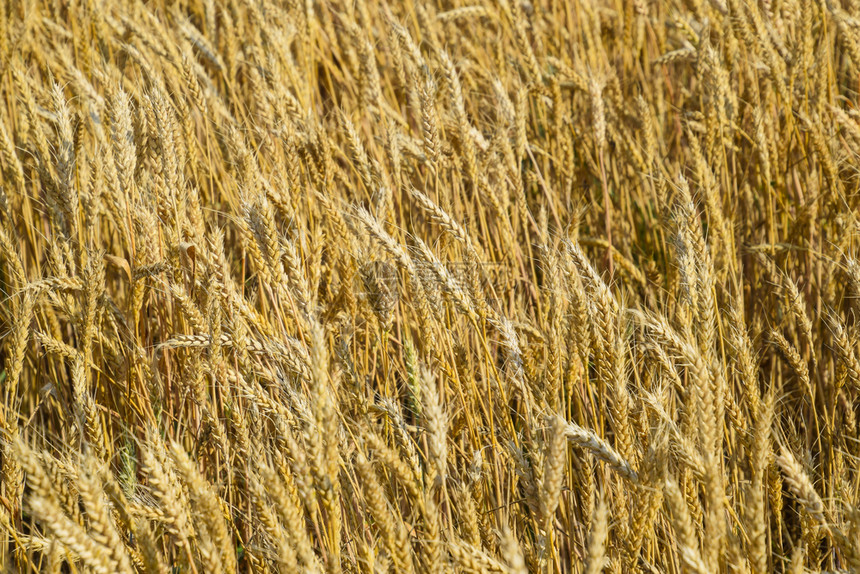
(447, 286)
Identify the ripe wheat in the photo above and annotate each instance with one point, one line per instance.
(363, 286)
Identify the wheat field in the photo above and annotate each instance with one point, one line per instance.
(429, 286)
